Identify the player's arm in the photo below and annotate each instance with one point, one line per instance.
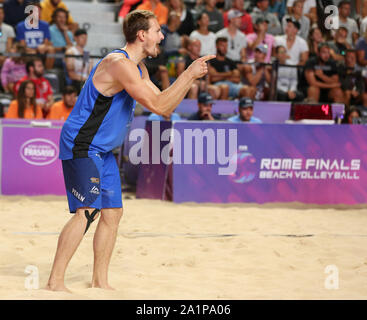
(142, 90)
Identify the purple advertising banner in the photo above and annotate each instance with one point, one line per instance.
(30, 164)
(223, 162)
(153, 173)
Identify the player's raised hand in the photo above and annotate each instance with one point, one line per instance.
(199, 67)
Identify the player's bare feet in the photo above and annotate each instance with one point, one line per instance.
(57, 287)
(102, 286)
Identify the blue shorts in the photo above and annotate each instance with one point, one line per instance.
(234, 88)
(92, 182)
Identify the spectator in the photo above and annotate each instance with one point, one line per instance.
(261, 11)
(315, 37)
(60, 110)
(205, 104)
(245, 112)
(25, 107)
(349, 23)
(193, 53)
(340, 45)
(297, 48)
(206, 37)
(61, 36)
(363, 106)
(278, 7)
(351, 115)
(215, 16)
(236, 39)
(159, 9)
(172, 44)
(78, 69)
(157, 69)
(258, 76)
(260, 37)
(127, 6)
(352, 82)
(36, 40)
(297, 14)
(13, 69)
(363, 19)
(287, 80)
(224, 72)
(48, 8)
(361, 47)
(186, 18)
(171, 117)
(44, 94)
(322, 78)
(309, 9)
(14, 11)
(7, 36)
(246, 20)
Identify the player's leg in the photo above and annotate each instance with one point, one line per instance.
(106, 232)
(69, 240)
(82, 182)
(103, 244)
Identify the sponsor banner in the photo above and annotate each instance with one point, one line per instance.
(30, 164)
(320, 164)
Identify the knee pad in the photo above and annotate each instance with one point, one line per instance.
(90, 218)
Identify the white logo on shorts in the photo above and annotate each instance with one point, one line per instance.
(77, 195)
(94, 190)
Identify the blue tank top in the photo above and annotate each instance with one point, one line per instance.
(97, 123)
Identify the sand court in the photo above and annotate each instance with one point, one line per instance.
(193, 251)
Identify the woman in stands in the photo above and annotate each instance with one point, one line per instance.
(25, 107)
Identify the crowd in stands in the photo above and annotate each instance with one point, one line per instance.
(279, 50)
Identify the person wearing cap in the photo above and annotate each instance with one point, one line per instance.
(246, 21)
(237, 41)
(297, 14)
(205, 104)
(297, 47)
(224, 71)
(258, 75)
(245, 112)
(322, 78)
(260, 36)
(261, 11)
(78, 69)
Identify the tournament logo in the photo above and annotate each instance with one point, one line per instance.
(39, 152)
(246, 167)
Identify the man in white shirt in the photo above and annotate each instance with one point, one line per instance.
(287, 80)
(349, 23)
(237, 41)
(297, 48)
